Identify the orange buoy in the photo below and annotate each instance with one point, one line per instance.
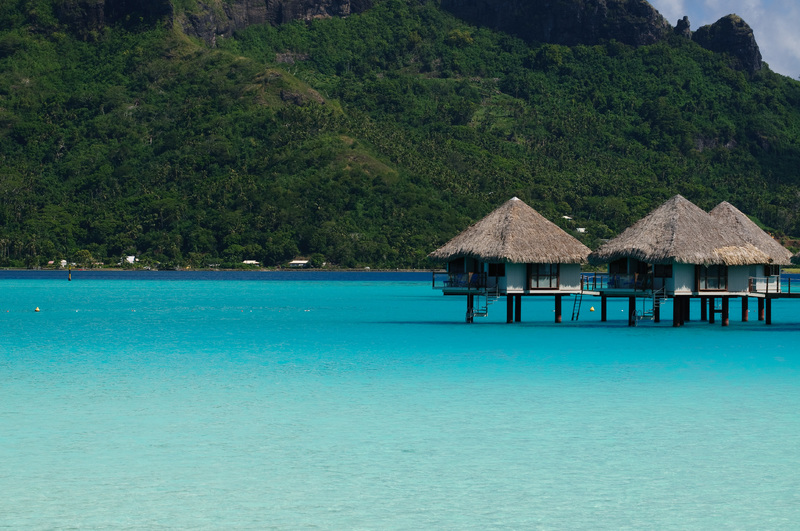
(37, 308)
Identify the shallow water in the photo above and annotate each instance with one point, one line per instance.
(234, 401)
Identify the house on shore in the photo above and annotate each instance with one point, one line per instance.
(512, 252)
(680, 251)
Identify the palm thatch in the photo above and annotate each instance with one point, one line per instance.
(679, 232)
(744, 228)
(514, 233)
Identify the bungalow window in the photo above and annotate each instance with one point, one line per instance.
(714, 277)
(618, 267)
(662, 271)
(543, 276)
(456, 266)
(497, 270)
(772, 270)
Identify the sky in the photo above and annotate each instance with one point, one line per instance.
(774, 23)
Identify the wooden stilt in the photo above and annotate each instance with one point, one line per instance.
(558, 308)
(745, 311)
(687, 307)
(603, 308)
(657, 313)
(518, 304)
(704, 308)
(470, 307)
(712, 315)
(509, 308)
(768, 313)
(725, 314)
(760, 309)
(631, 311)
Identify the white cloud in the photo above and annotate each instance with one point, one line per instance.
(778, 38)
(673, 10)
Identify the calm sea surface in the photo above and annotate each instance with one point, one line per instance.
(362, 401)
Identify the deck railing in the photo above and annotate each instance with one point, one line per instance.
(594, 281)
(773, 284)
(634, 282)
(461, 281)
(603, 281)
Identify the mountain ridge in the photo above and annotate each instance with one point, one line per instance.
(566, 22)
(365, 140)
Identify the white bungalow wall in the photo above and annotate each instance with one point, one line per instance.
(570, 277)
(516, 278)
(738, 278)
(682, 281)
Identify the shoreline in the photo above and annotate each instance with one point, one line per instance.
(788, 270)
(213, 270)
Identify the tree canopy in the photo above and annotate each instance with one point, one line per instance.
(363, 141)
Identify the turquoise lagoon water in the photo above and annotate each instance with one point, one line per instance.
(259, 401)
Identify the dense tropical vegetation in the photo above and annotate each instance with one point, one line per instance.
(365, 141)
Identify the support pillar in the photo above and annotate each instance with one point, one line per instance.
(470, 307)
(518, 304)
(631, 311)
(684, 299)
(603, 308)
(657, 313)
(687, 307)
(509, 308)
(768, 313)
(558, 308)
(745, 311)
(725, 307)
(677, 306)
(712, 315)
(760, 309)
(704, 308)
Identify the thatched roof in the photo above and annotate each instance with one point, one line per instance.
(679, 232)
(515, 233)
(734, 219)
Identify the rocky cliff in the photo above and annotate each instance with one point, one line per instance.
(217, 18)
(633, 22)
(733, 36)
(91, 15)
(567, 22)
(207, 19)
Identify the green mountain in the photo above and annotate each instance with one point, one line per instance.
(180, 134)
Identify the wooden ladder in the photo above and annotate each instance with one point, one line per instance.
(576, 306)
(659, 296)
(488, 297)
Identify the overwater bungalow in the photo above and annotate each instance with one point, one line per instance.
(765, 277)
(512, 252)
(678, 251)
